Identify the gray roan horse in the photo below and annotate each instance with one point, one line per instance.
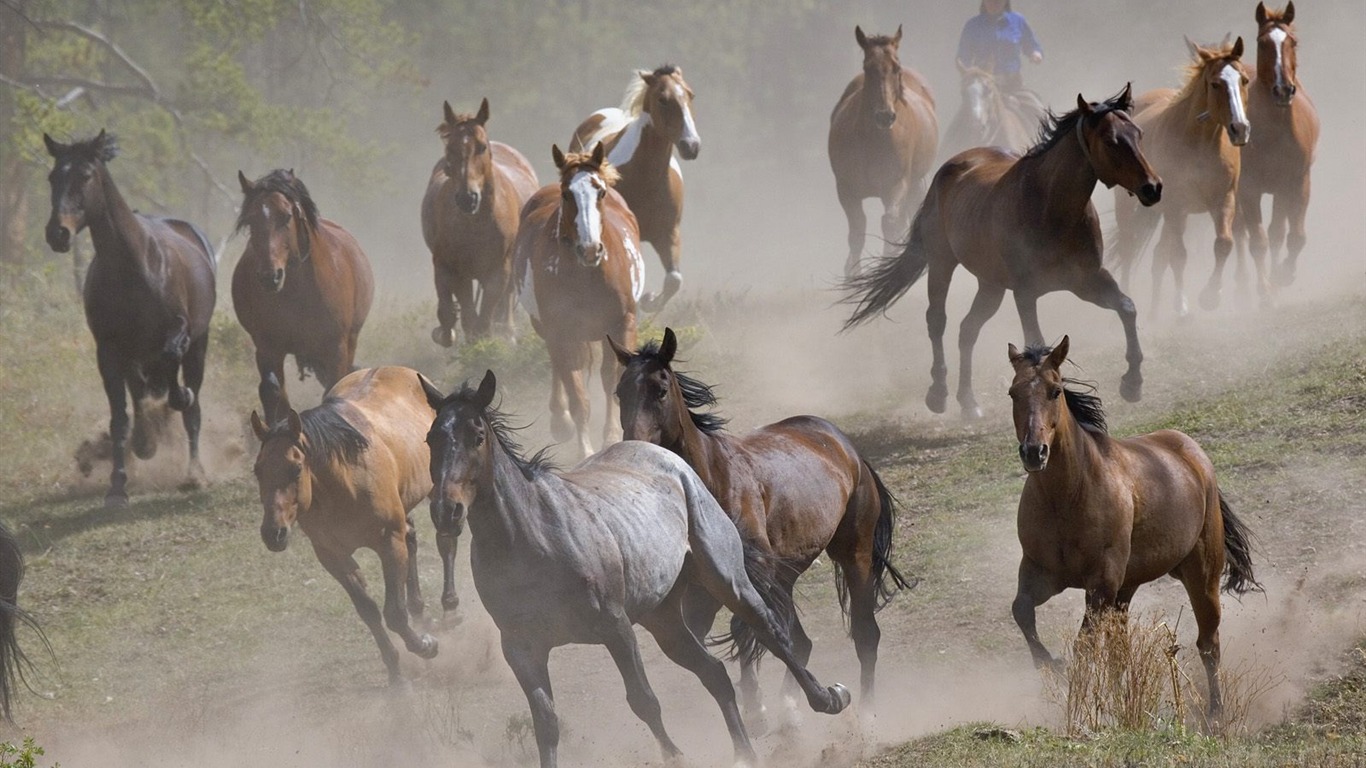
(582, 556)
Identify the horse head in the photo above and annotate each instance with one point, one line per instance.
(280, 217)
(76, 186)
(1036, 394)
(461, 454)
(283, 477)
(980, 96)
(651, 401)
(881, 75)
(584, 180)
(1220, 72)
(1276, 52)
(469, 163)
(667, 99)
(1111, 142)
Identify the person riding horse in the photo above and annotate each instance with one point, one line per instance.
(995, 40)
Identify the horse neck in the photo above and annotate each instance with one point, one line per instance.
(114, 228)
(703, 451)
(1188, 107)
(1061, 177)
(1072, 454)
(504, 497)
(652, 152)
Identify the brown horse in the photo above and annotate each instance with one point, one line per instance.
(579, 265)
(349, 472)
(1193, 138)
(987, 116)
(1019, 223)
(149, 295)
(883, 138)
(794, 489)
(654, 118)
(303, 287)
(469, 222)
(1109, 515)
(1279, 161)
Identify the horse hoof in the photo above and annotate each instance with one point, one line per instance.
(1131, 388)
(428, 647)
(115, 500)
(443, 336)
(180, 398)
(144, 447)
(839, 699)
(972, 412)
(937, 399)
(756, 720)
(650, 303)
(1284, 276)
(1209, 300)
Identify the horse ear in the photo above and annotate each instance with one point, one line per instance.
(296, 427)
(258, 426)
(962, 68)
(1083, 106)
(669, 346)
(1059, 354)
(896, 39)
(1261, 14)
(1288, 15)
(1126, 98)
(557, 156)
(860, 37)
(246, 184)
(1237, 51)
(1013, 352)
(1192, 47)
(434, 396)
(54, 147)
(623, 354)
(599, 154)
(447, 113)
(483, 115)
(483, 398)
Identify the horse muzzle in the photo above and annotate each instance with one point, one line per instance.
(274, 280)
(58, 237)
(689, 148)
(1150, 194)
(1239, 133)
(448, 518)
(276, 537)
(1034, 456)
(590, 255)
(1282, 95)
(884, 118)
(468, 202)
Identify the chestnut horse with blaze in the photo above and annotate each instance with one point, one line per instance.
(883, 139)
(303, 287)
(579, 265)
(469, 222)
(794, 489)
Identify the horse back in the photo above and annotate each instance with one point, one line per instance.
(604, 126)
(343, 272)
(388, 406)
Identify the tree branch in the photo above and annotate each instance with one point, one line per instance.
(108, 45)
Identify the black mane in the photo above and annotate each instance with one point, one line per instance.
(329, 435)
(665, 69)
(695, 393)
(1084, 405)
(287, 184)
(538, 463)
(1054, 127)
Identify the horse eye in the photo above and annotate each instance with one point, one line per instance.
(1054, 394)
(480, 149)
(568, 196)
(602, 193)
(661, 394)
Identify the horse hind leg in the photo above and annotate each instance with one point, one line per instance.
(1201, 580)
(192, 417)
(984, 305)
(620, 639)
(172, 356)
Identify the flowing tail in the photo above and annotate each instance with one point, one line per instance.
(883, 571)
(1238, 552)
(763, 569)
(875, 289)
(14, 663)
(1131, 235)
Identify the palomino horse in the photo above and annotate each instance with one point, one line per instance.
(654, 118)
(1109, 515)
(883, 138)
(303, 287)
(469, 221)
(794, 489)
(1192, 137)
(1024, 224)
(987, 117)
(1278, 162)
(645, 532)
(578, 260)
(13, 661)
(149, 295)
(349, 472)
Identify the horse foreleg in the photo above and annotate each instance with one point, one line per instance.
(444, 278)
(1171, 252)
(1034, 589)
(346, 571)
(471, 320)
(415, 606)
(531, 666)
(1296, 207)
(670, 251)
(984, 305)
(270, 365)
(111, 374)
(620, 639)
(1102, 290)
(1249, 225)
(393, 557)
(1223, 246)
(192, 417)
(858, 229)
(611, 371)
(172, 354)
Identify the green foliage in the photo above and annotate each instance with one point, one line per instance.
(24, 756)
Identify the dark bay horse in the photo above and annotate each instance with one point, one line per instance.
(882, 142)
(1109, 515)
(349, 472)
(1192, 137)
(1019, 223)
(655, 118)
(469, 222)
(303, 287)
(13, 661)
(645, 531)
(1278, 163)
(581, 273)
(987, 116)
(149, 296)
(794, 489)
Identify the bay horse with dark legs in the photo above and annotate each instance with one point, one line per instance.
(987, 116)
(1193, 138)
(882, 143)
(579, 265)
(1278, 163)
(349, 473)
(149, 296)
(1019, 223)
(645, 532)
(469, 222)
(14, 663)
(303, 287)
(794, 489)
(1108, 515)
(655, 118)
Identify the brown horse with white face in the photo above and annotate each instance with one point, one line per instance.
(655, 118)
(1108, 515)
(882, 143)
(1021, 224)
(349, 473)
(1278, 163)
(303, 286)
(469, 222)
(579, 265)
(1193, 138)
(149, 297)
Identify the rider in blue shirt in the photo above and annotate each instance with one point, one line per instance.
(995, 39)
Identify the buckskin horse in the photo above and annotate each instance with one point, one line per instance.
(655, 118)
(645, 531)
(1019, 223)
(882, 142)
(149, 296)
(303, 287)
(469, 222)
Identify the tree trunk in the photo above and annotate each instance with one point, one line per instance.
(13, 194)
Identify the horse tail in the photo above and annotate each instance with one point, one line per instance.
(762, 568)
(875, 289)
(1239, 578)
(13, 661)
(1131, 234)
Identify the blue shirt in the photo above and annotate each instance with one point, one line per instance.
(996, 44)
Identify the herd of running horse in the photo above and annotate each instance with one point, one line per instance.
(682, 518)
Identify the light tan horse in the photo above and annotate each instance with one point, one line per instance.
(1279, 161)
(882, 143)
(1192, 137)
(349, 472)
(655, 118)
